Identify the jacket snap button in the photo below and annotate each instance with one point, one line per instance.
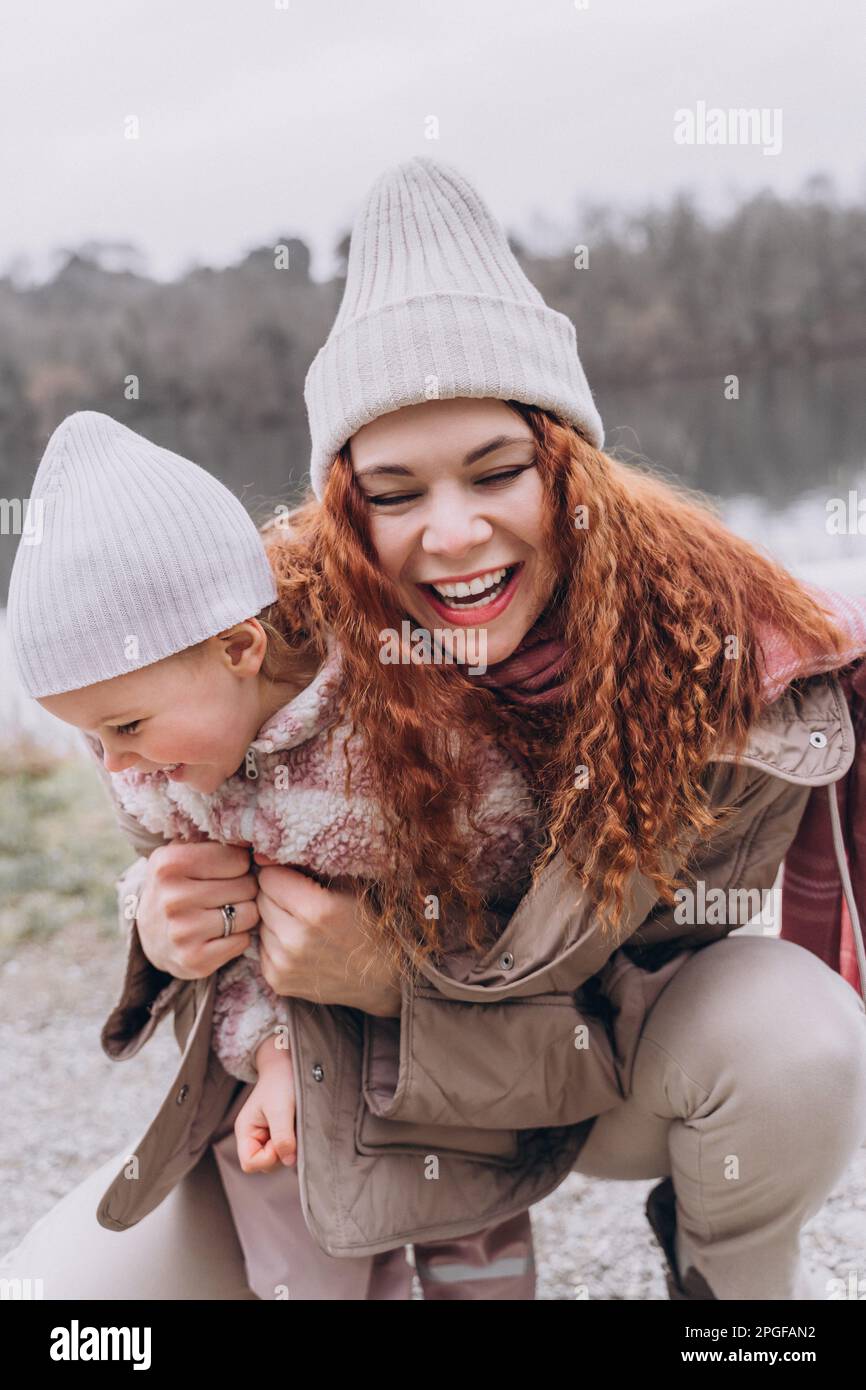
(182, 1094)
(818, 739)
(506, 960)
(318, 1073)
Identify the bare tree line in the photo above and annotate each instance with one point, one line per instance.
(212, 364)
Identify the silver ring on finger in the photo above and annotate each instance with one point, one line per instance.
(229, 914)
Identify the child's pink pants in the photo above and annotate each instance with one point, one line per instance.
(282, 1259)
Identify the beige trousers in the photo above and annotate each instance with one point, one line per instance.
(749, 1090)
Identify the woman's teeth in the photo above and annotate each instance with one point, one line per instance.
(487, 585)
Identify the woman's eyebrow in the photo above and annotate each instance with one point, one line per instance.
(473, 456)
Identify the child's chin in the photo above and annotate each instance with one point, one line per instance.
(207, 781)
(201, 780)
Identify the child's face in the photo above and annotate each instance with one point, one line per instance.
(201, 708)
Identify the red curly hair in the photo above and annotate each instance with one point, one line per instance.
(654, 597)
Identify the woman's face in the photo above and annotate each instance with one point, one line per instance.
(456, 515)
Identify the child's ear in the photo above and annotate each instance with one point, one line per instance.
(239, 641)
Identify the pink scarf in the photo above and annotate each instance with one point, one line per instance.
(534, 673)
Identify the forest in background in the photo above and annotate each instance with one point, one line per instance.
(221, 355)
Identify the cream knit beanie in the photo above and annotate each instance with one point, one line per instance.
(138, 554)
(436, 306)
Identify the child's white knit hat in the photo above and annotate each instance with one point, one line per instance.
(436, 306)
(130, 554)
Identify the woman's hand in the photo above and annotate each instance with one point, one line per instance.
(308, 934)
(179, 920)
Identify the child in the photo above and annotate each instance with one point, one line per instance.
(131, 621)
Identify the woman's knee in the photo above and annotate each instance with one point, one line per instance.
(185, 1249)
(774, 1017)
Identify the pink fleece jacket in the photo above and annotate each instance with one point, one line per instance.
(289, 802)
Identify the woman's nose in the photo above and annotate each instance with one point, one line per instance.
(452, 530)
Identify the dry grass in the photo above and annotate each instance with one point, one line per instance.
(60, 849)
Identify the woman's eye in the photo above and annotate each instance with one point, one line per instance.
(389, 500)
(505, 476)
(393, 500)
(128, 728)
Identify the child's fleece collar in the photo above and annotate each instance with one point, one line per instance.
(314, 709)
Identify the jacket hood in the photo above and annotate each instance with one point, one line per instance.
(782, 664)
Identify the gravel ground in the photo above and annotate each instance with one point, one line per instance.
(54, 997)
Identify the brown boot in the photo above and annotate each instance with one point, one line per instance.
(662, 1215)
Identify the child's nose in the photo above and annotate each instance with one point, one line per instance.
(118, 762)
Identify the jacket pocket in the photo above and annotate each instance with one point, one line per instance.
(528, 1063)
(374, 1135)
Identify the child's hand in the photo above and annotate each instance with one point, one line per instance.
(265, 1127)
(264, 861)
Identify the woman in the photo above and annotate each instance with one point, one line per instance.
(634, 649)
(451, 497)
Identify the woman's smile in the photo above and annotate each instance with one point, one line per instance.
(457, 515)
(473, 598)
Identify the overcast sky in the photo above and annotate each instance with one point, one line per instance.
(261, 117)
